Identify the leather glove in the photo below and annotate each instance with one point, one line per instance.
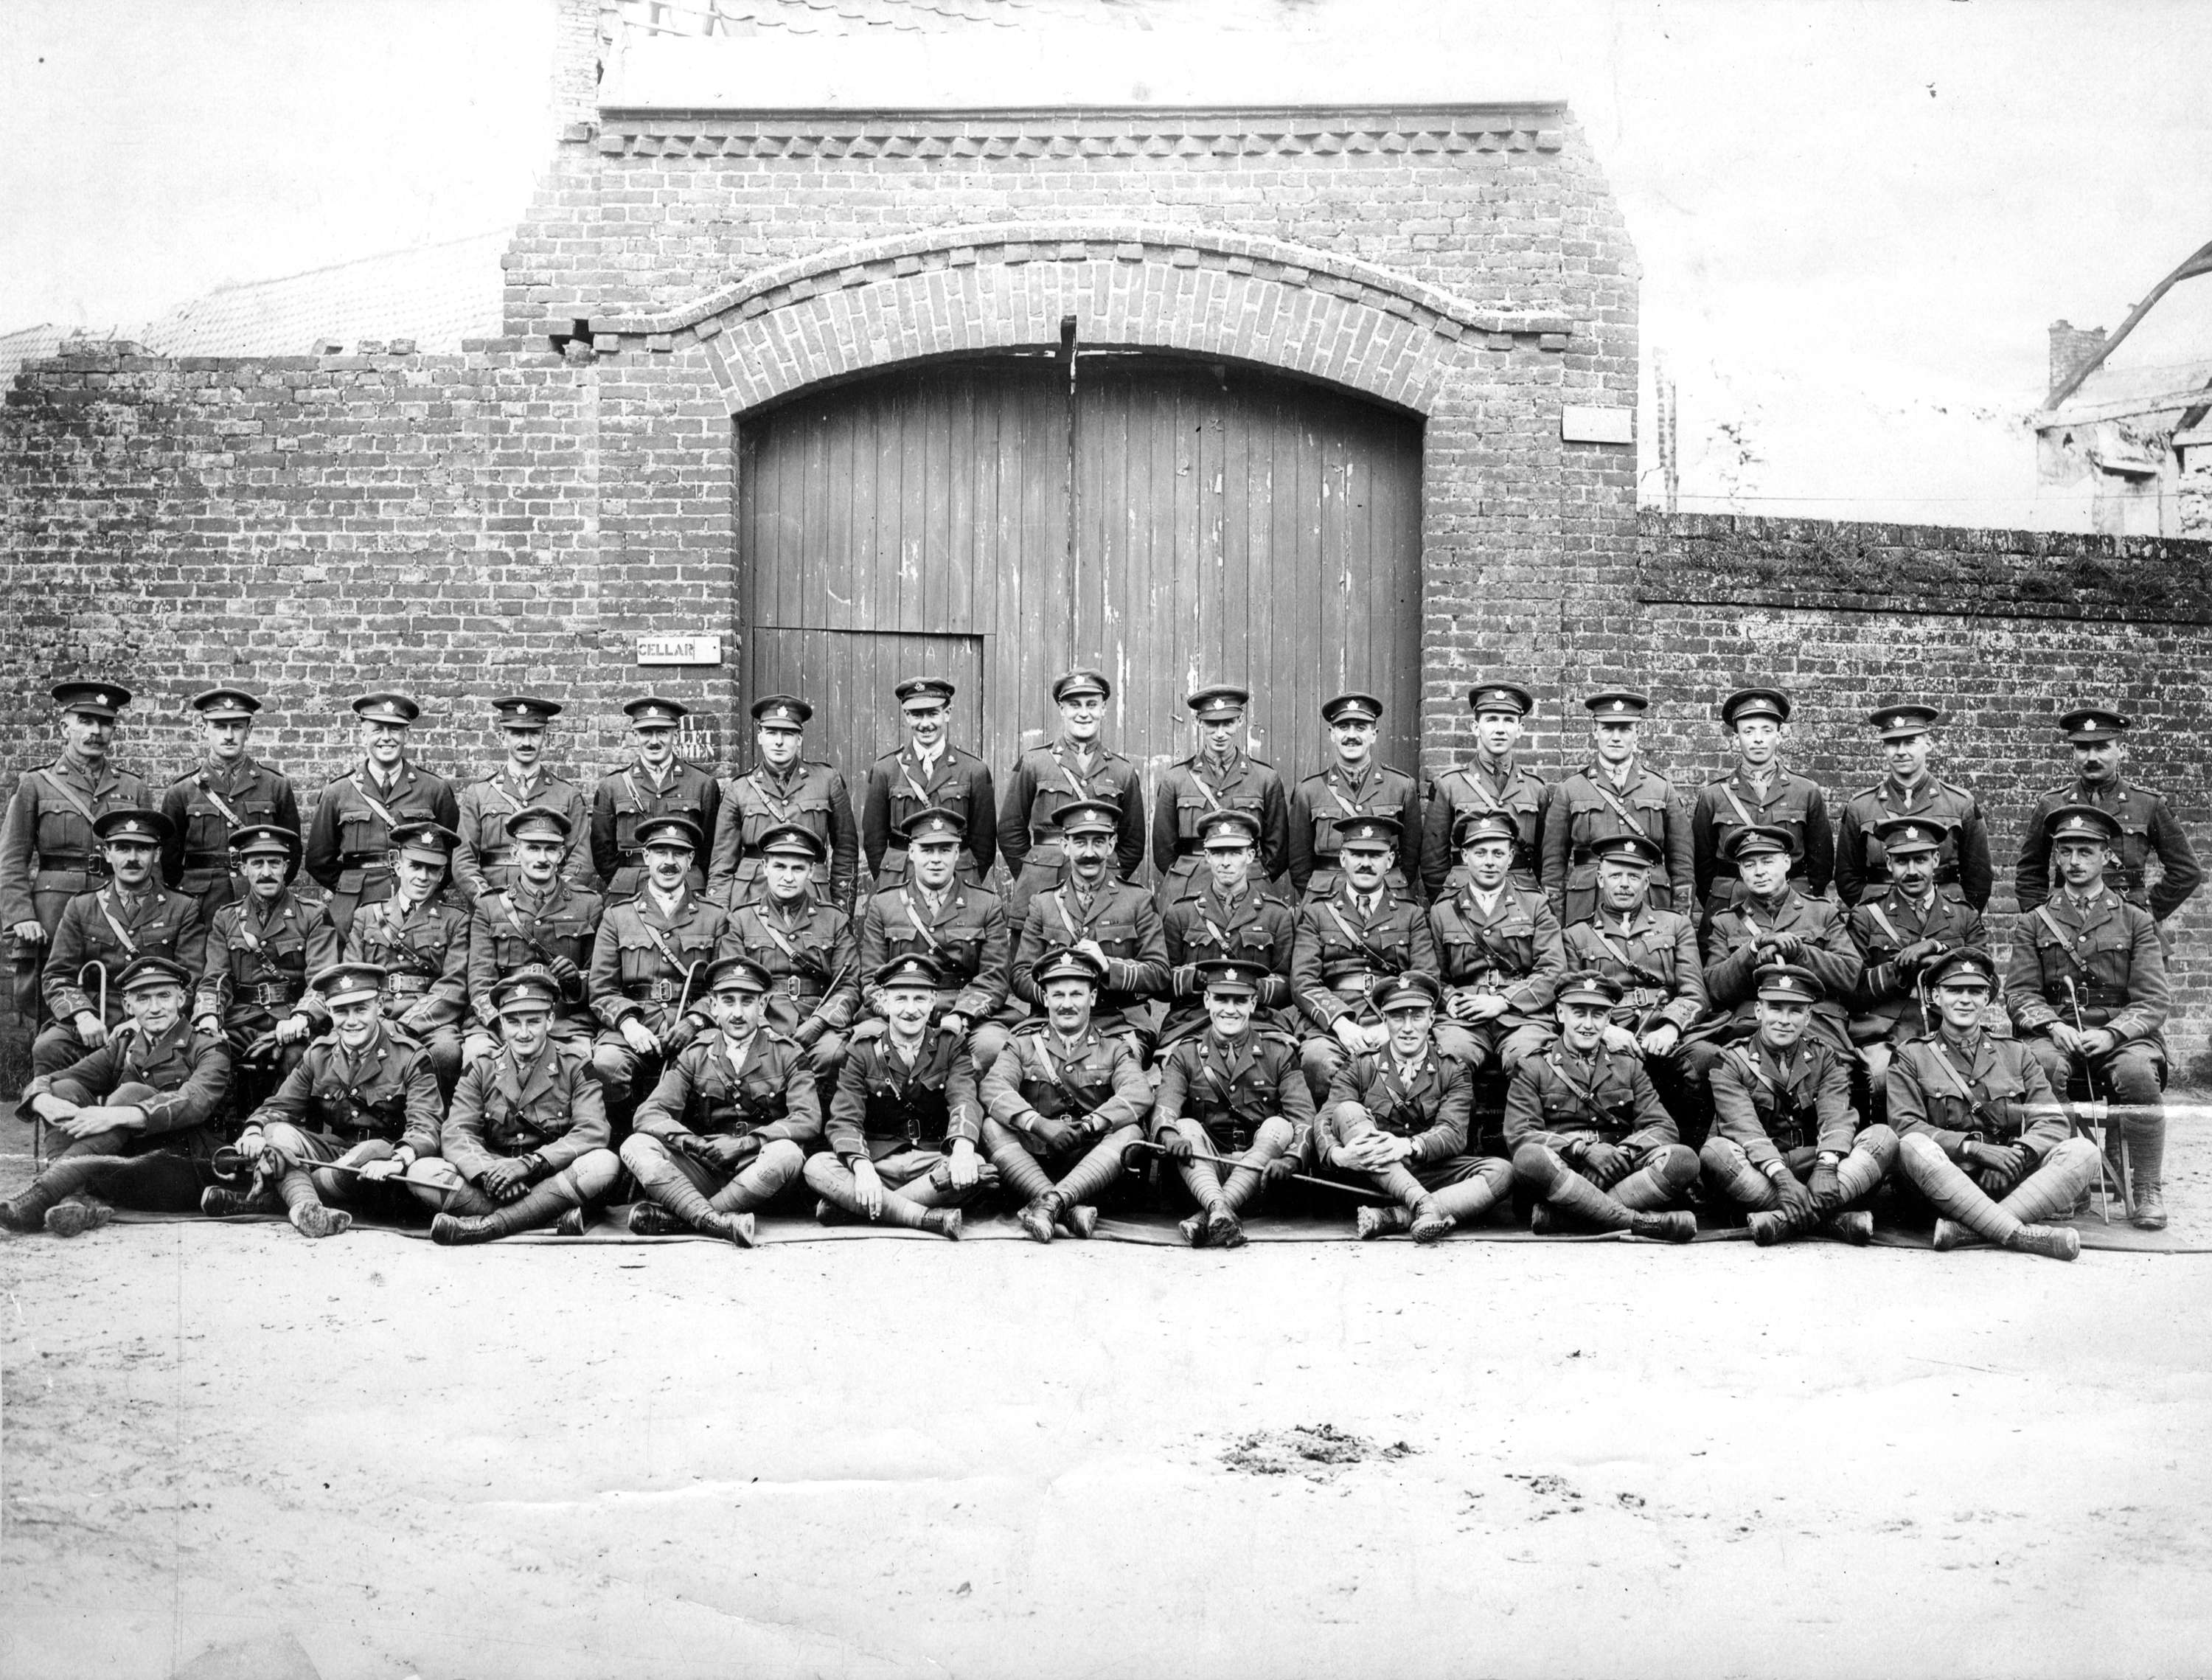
(1607, 1164)
(564, 970)
(1796, 1200)
(1177, 1148)
(505, 1180)
(727, 1155)
(1280, 1170)
(1826, 1187)
(1055, 1135)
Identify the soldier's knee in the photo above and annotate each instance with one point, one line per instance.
(824, 1172)
(1275, 1132)
(614, 1067)
(1722, 1156)
(595, 1171)
(2134, 1072)
(827, 1054)
(286, 1139)
(476, 1046)
(1879, 1141)
(781, 1162)
(1919, 1155)
(1875, 1058)
(984, 1045)
(997, 1136)
(1537, 1164)
(2057, 1066)
(1674, 1165)
(641, 1152)
(1522, 1043)
(2075, 1156)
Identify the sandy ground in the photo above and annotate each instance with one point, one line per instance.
(230, 1450)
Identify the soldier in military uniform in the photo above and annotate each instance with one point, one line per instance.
(1495, 781)
(1219, 777)
(1354, 787)
(957, 925)
(1898, 932)
(485, 861)
(225, 792)
(805, 945)
(730, 1123)
(1398, 1119)
(1787, 1143)
(655, 782)
(131, 917)
(359, 1110)
(1759, 793)
(139, 1113)
(1074, 766)
(419, 938)
(1233, 1112)
(1363, 931)
(1976, 1120)
(906, 1118)
(2148, 827)
(1063, 1098)
(1911, 790)
(1498, 953)
(525, 1143)
(350, 843)
(253, 992)
(540, 918)
(1106, 918)
(48, 853)
(1651, 955)
(784, 789)
(928, 771)
(1589, 1137)
(2088, 991)
(1227, 915)
(1615, 794)
(648, 963)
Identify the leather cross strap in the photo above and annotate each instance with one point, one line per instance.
(70, 796)
(1742, 815)
(122, 933)
(220, 803)
(384, 811)
(1886, 925)
(921, 927)
(1621, 808)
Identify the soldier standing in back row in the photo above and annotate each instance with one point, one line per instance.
(1354, 787)
(1219, 777)
(784, 789)
(484, 860)
(1759, 793)
(928, 771)
(1072, 766)
(225, 792)
(1615, 795)
(350, 843)
(655, 783)
(2148, 825)
(1911, 790)
(1495, 780)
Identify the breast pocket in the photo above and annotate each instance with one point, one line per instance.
(627, 817)
(206, 832)
(963, 949)
(360, 831)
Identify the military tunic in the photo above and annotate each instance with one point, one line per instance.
(1233, 1086)
(1193, 789)
(1434, 1108)
(1098, 1086)
(1513, 950)
(899, 786)
(513, 928)
(1325, 800)
(2148, 829)
(644, 961)
(551, 1108)
(47, 852)
(484, 860)
(1122, 920)
(1989, 1091)
(1588, 807)
(423, 950)
(1775, 1107)
(622, 800)
(114, 927)
(1044, 779)
(1652, 955)
(1257, 928)
(259, 958)
(208, 804)
(385, 1094)
(188, 1072)
(1886, 1002)
(1724, 809)
(1566, 1102)
(966, 936)
(1339, 949)
(2108, 949)
(769, 1095)
(1962, 867)
(885, 1107)
(813, 961)
(812, 797)
(1477, 789)
(1732, 963)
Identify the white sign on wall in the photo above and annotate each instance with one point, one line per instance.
(679, 650)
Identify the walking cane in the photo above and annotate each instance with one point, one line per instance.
(1368, 1195)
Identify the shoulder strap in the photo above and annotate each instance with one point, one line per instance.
(373, 803)
(1886, 925)
(67, 794)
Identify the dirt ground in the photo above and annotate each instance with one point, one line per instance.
(231, 1451)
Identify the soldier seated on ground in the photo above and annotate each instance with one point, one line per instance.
(1361, 931)
(906, 1118)
(420, 939)
(1590, 1138)
(730, 1123)
(1063, 1097)
(525, 1143)
(1223, 913)
(361, 1108)
(1899, 931)
(1976, 1120)
(647, 960)
(539, 918)
(1233, 1112)
(2087, 991)
(804, 942)
(1498, 953)
(1398, 1118)
(139, 1113)
(1786, 1142)
(260, 952)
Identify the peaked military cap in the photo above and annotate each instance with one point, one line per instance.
(1228, 829)
(1902, 719)
(735, 974)
(1759, 840)
(1640, 849)
(927, 689)
(96, 699)
(913, 969)
(670, 830)
(1231, 974)
(934, 822)
(1405, 991)
(1501, 694)
(224, 705)
(1220, 702)
(529, 987)
(782, 711)
(2081, 822)
(1617, 705)
(387, 707)
(1968, 965)
(341, 982)
(1755, 703)
(1368, 833)
(153, 970)
(132, 822)
(538, 822)
(654, 711)
(1067, 963)
(2085, 724)
(1907, 835)
(1082, 680)
(1486, 825)
(524, 711)
(432, 842)
(1363, 707)
(1088, 816)
(262, 839)
(1588, 987)
(1786, 982)
(792, 840)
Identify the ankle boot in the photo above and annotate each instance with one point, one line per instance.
(1223, 1228)
(1081, 1220)
(1664, 1227)
(1193, 1231)
(945, 1221)
(1430, 1223)
(2052, 1242)
(1373, 1222)
(574, 1223)
(736, 1228)
(451, 1230)
(1950, 1234)
(2147, 1176)
(1040, 1215)
(27, 1213)
(312, 1219)
(78, 1215)
(1855, 1228)
(221, 1201)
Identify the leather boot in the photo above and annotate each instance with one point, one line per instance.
(1081, 1220)
(221, 1201)
(1193, 1231)
(541, 1205)
(1855, 1228)
(1039, 1215)
(26, 1213)
(2052, 1242)
(2146, 1176)
(943, 1222)
(1223, 1228)
(650, 1218)
(1572, 1194)
(309, 1217)
(574, 1223)
(1430, 1223)
(1664, 1227)
(78, 1215)
(1949, 1234)
(1375, 1222)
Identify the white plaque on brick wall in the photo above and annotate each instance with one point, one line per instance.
(679, 650)
(1597, 425)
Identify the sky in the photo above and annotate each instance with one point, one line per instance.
(1856, 221)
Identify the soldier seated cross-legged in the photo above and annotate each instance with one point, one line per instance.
(1786, 1142)
(906, 1118)
(1233, 1114)
(804, 942)
(648, 961)
(538, 919)
(729, 1124)
(254, 992)
(1362, 931)
(1397, 1118)
(1498, 953)
(419, 937)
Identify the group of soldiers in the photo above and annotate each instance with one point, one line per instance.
(515, 1001)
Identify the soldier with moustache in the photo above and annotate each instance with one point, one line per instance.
(1760, 792)
(805, 945)
(1651, 955)
(1093, 912)
(1496, 782)
(1363, 931)
(1907, 732)
(2089, 993)
(1615, 795)
(1063, 1103)
(784, 789)
(1977, 1121)
(649, 962)
(227, 791)
(140, 1114)
(1787, 1145)
(1233, 1114)
(1899, 931)
(1397, 1119)
(48, 853)
(928, 772)
(1590, 1138)
(1074, 767)
(1226, 915)
(253, 992)
(653, 784)
(418, 941)
(906, 1118)
(729, 1124)
(1498, 953)
(539, 919)
(2148, 827)
(485, 860)
(351, 842)
(128, 917)
(960, 927)
(1220, 776)
(1352, 788)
